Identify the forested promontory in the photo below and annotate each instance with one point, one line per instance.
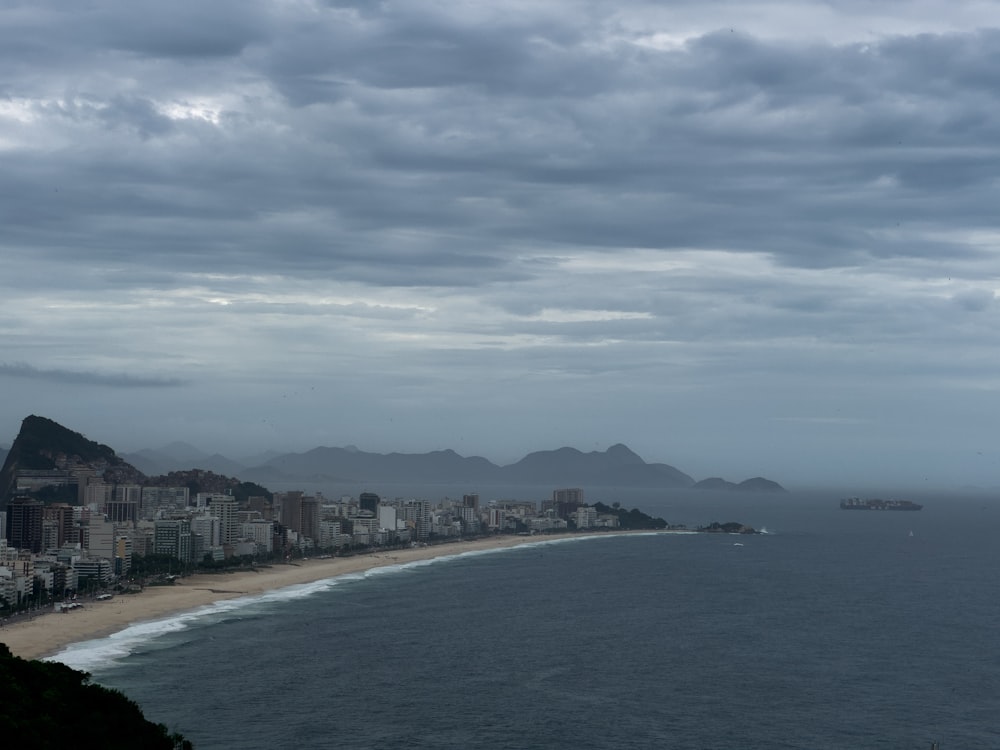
(49, 706)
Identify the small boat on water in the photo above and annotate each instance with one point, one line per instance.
(856, 503)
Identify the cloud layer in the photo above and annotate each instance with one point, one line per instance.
(740, 237)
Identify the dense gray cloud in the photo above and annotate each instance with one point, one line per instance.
(740, 237)
(73, 377)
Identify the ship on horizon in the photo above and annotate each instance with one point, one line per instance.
(856, 503)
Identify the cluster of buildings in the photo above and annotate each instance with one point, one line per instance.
(61, 547)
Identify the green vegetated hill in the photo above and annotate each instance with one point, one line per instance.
(631, 520)
(41, 439)
(199, 480)
(41, 444)
(49, 706)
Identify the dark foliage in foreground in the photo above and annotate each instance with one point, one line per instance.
(47, 705)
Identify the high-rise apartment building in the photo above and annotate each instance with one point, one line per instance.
(61, 515)
(387, 517)
(24, 523)
(97, 494)
(123, 555)
(122, 511)
(331, 534)
(224, 507)
(50, 534)
(260, 504)
(210, 528)
(100, 538)
(369, 501)
(421, 512)
(290, 513)
(262, 532)
(128, 493)
(566, 501)
(570, 495)
(310, 518)
(173, 538)
(470, 519)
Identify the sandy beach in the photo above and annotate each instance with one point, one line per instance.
(48, 633)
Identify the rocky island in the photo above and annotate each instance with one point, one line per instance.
(755, 484)
(730, 527)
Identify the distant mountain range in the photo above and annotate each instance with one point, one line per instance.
(618, 466)
(42, 443)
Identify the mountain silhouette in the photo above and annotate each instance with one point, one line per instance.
(44, 444)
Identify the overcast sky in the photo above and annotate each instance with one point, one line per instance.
(743, 238)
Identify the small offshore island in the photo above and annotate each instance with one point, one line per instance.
(732, 527)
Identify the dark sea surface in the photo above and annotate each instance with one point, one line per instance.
(837, 629)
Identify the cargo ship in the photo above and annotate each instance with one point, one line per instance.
(856, 503)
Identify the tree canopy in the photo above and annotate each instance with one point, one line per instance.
(47, 705)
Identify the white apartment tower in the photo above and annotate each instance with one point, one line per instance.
(224, 507)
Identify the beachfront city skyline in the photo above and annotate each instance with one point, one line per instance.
(742, 238)
(95, 536)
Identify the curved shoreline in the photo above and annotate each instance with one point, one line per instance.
(49, 633)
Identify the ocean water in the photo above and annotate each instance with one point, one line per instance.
(834, 630)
